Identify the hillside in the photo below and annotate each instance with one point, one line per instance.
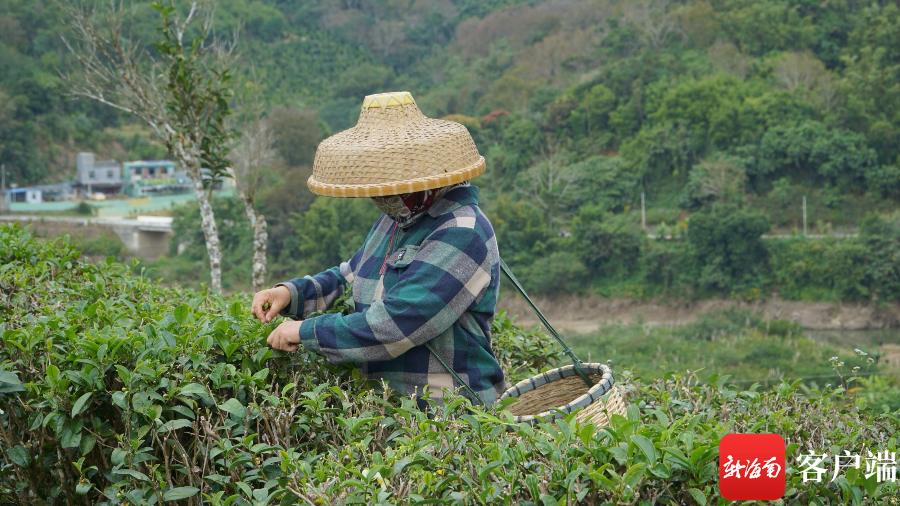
(724, 115)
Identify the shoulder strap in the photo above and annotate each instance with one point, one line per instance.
(579, 368)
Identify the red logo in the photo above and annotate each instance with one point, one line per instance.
(751, 467)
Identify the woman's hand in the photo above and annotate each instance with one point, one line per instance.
(285, 337)
(278, 299)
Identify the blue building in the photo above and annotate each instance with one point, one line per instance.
(154, 177)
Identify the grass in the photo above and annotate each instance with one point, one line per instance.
(733, 342)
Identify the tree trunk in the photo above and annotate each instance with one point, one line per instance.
(260, 238)
(210, 231)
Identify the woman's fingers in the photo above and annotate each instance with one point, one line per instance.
(291, 338)
(256, 307)
(279, 297)
(273, 311)
(286, 337)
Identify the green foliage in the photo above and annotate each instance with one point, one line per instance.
(607, 244)
(735, 342)
(714, 182)
(191, 266)
(523, 353)
(728, 247)
(607, 182)
(115, 390)
(329, 233)
(811, 149)
(555, 273)
(84, 209)
(801, 97)
(520, 229)
(522, 141)
(198, 94)
(103, 246)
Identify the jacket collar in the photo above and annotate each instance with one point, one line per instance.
(453, 200)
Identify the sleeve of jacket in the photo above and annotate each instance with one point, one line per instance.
(318, 293)
(450, 272)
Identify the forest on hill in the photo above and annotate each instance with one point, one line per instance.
(722, 114)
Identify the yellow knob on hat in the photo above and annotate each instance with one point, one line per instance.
(395, 98)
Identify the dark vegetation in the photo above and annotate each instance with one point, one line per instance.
(723, 114)
(117, 390)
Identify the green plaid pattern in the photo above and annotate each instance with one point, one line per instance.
(439, 285)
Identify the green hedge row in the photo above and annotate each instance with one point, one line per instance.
(115, 390)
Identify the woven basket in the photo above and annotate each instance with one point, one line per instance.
(560, 391)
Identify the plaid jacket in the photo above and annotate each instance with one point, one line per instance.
(439, 284)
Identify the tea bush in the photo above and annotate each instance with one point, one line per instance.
(116, 390)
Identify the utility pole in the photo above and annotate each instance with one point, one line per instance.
(804, 216)
(2, 188)
(643, 214)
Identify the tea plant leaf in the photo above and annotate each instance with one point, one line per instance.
(119, 399)
(234, 407)
(195, 389)
(488, 469)
(634, 474)
(70, 434)
(181, 313)
(80, 404)
(19, 455)
(87, 444)
(698, 496)
(646, 447)
(633, 412)
(9, 382)
(179, 493)
(53, 372)
(174, 425)
(134, 474)
(549, 500)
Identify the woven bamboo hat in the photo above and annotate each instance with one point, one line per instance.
(394, 149)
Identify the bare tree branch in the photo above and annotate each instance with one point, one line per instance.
(253, 153)
(183, 95)
(652, 20)
(549, 182)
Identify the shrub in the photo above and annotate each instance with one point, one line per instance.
(797, 268)
(608, 245)
(522, 353)
(607, 183)
(85, 209)
(728, 245)
(557, 272)
(115, 390)
(104, 245)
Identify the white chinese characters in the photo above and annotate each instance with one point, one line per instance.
(881, 465)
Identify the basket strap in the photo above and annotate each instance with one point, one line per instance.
(579, 369)
(475, 397)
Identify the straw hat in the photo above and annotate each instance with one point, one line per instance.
(394, 149)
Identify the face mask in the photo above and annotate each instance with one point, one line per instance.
(408, 208)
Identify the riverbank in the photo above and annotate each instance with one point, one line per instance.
(587, 314)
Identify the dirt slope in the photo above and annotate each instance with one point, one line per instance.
(586, 314)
